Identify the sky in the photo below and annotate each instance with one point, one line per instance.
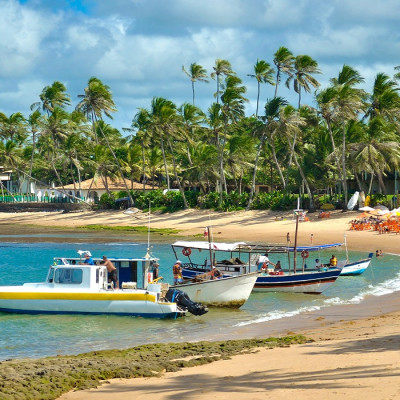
(138, 47)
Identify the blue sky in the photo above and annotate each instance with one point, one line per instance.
(138, 47)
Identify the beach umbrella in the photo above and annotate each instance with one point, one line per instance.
(366, 208)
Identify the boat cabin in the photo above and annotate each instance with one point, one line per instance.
(132, 272)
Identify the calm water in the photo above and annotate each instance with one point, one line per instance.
(42, 335)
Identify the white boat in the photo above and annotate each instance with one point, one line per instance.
(73, 288)
(355, 268)
(240, 258)
(229, 291)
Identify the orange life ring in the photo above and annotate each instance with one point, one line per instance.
(304, 254)
(186, 251)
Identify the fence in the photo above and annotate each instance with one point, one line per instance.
(22, 198)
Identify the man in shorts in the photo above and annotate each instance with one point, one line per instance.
(112, 272)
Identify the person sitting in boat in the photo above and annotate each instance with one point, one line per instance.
(155, 270)
(112, 272)
(263, 262)
(88, 259)
(318, 264)
(333, 261)
(215, 273)
(278, 266)
(177, 272)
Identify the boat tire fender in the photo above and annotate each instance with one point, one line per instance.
(186, 251)
(305, 254)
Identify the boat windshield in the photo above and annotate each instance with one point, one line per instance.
(68, 275)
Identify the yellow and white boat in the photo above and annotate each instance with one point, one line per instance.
(84, 289)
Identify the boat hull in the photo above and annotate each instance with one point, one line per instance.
(19, 300)
(308, 282)
(355, 268)
(225, 292)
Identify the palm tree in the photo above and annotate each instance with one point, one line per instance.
(267, 131)
(51, 97)
(263, 73)
(346, 103)
(283, 60)
(139, 126)
(304, 68)
(232, 111)
(13, 127)
(192, 118)
(196, 73)
(164, 123)
(290, 123)
(384, 100)
(349, 77)
(97, 101)
(378, 151)
(221, 68)
(33, 122)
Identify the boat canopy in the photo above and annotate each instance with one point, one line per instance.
(249, 248)
(206, 245)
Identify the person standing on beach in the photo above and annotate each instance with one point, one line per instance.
(177, 272)
(311, 238)
(112, 272)
(288, 239)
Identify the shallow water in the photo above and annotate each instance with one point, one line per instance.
(43, 335)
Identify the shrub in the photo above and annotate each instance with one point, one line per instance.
(107, 201)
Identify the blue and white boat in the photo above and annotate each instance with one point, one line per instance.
(241, 258)
(355, 268)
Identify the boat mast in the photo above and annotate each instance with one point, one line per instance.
(148, 234)
(345, 244)
(209, 247)
(297, 212)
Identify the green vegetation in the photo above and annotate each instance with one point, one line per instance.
(49, 378)
(217, 158)
(138, 229)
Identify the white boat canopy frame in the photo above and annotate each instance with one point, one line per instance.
(248, 248)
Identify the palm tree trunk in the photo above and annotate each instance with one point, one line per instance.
(253, 181)
(344, 163)
(165, 162)
(144, 168)
(278, 167)
(370, 183)
(118, 166)
(185, 204)
(258, 96)
(31, 160)
(304, 181)
(382, 186)
(358, 181)
(278, 79)
(335, 153)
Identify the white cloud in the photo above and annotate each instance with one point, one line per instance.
(138, 47)
(21, 34)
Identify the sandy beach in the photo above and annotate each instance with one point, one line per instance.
(361, 362)
(249, 226)
(355, 350)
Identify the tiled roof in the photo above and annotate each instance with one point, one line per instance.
(115, 185)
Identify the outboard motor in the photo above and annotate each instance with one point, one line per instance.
(183, 300)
